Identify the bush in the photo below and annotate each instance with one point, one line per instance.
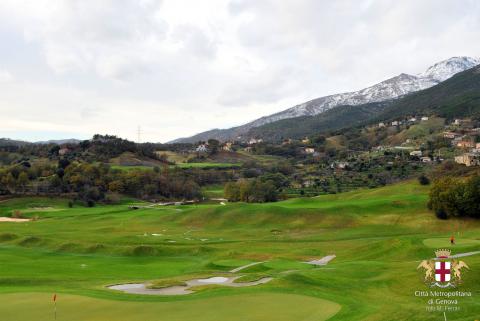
(17, 214)
(423, 180)
(441, 214)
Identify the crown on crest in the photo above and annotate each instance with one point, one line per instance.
(443, 253)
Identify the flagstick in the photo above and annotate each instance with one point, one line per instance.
(445, 316)
(55, 310)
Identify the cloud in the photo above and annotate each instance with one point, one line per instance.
(5, 76)
(177, 67)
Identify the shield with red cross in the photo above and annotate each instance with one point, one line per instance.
(442, 271)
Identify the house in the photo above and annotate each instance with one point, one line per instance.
(248, 149)
(468, 159)
(412, 120)
(456, 140)
(426, 159)
(396, 123)
(381, 125)
(309, 150)
(424, 118)
(202, 148)
(477, 145)
(457, 122)
(451, 135)
(306, 140)
(227, 147)
(64, 151)
(342, 165)
(465, 144)
(287, 141)
(254, 141)
(416, 153)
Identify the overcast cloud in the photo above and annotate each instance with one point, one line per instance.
(178, 67)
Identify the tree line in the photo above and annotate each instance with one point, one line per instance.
(96, 182)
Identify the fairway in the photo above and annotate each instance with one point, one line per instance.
(285, 307)
(379, 236)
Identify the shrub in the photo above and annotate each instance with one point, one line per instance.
(423, 180)
(17, 214)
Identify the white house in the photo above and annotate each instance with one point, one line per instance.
(342, 165)
(395, 123)
(417, 153)
(309, 150)
(426, 159)
(381, 125)
(202, 148)
(424, 118)
(253, 141)
(63, 151)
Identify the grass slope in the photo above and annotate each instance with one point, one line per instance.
(378, 235)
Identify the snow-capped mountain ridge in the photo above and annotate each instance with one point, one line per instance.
(389, 89)
(445, 69)
(386, 90)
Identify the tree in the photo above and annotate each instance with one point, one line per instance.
(213, 146)
(22, 181)
(231, 192)
(455, 197)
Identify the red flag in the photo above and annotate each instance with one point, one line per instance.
(55, 297)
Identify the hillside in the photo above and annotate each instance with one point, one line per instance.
(387, 90)
(340, 117)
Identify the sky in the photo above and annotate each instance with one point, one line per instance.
(72, 69)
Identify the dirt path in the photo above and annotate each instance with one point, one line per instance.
(323, 261)
(464, 254)
(245, 266)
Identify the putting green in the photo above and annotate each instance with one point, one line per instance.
(256, 307)
(445, 242)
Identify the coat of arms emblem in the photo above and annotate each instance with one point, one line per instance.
(444, 270)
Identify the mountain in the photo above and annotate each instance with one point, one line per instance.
(59, 141)
(386, 90)
(11, 142)
(332, 119)
(458, 96)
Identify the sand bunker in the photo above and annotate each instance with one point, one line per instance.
(214, 280)
(11, 219)
(142, 288)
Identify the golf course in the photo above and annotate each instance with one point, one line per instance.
(378, 237)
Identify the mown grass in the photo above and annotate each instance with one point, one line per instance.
(378, 235)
